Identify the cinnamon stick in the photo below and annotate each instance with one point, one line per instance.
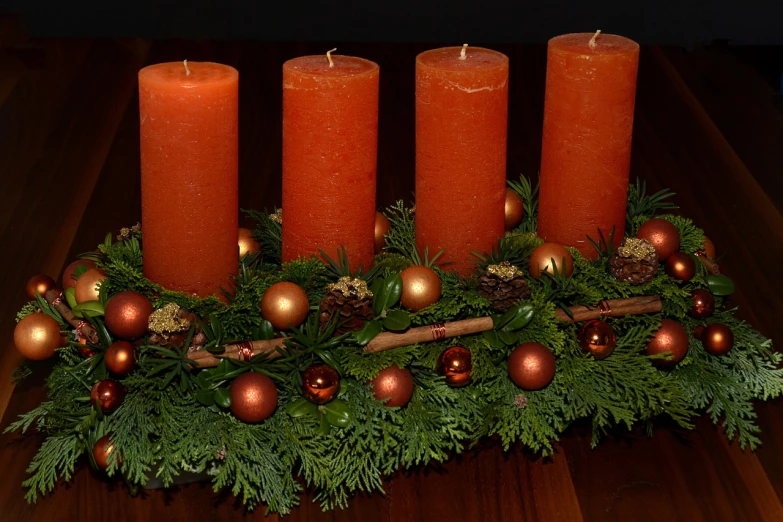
(84, 328)
(711, 266)
(243, 351)
(424, 334)
(613, 308)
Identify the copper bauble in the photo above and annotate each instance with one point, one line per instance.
(456, 365)
(671, 337)
(531, 366)
(40, 283)
(698, 331)
(393, 383)
(320, 383)
(285, 305)
(663, 235)
(703, 304)
(37, 336)
(68, 274)
(247, 243)
(253, 397)
(709, 248)
(127, 314)
(541, 260)
(382, 227)
(107, 395)
(421, 287)
(597, 338)
(717, 339)
(120, 357)
(86, 288)
(101, 451)
(680, 266)
(515, 209)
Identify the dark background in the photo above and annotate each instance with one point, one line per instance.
(684, 22)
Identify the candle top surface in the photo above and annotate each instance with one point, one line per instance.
(176, 74)
(318, 65)
(579, 43)
(476, 59)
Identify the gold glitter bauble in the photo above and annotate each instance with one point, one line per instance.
(597, 338)
(382, 227)
(663, 235)
(671, 337)
(37, 336)
(531, 366)
(68, 280)
(101, 451)
(120, 358)
(456, 365)
(421, 287)
(127, 314)
(320, 383)
(285, 305)
(86, 288)
(541, 259)
(41, 283)
(717, 339)
(167, 320)
(515, 209)
(247, 244)
(253, 397)
(393, 383)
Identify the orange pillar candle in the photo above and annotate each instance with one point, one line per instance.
(461, 127)
(330, 143)
(189, 185)
(586, 152)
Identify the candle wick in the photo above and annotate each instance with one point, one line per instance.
(187, 71)
(591, 43)
(462, 54)
(329, 56)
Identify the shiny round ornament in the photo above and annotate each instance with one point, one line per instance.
(671, 337)
(68, 274)
(717, 339)
(127, 314)
(456, 365)
(253, 397)
(320, 383)
(515, 209)
(663, 235)
(542, 256)
(102, 450)
(88, 284)
(703, 303)
(598, 338)
(247, 243)
(421, 287)
(107, 394)
(37, 336)
(709, 248)
(120, 358)
(40, 283)
(393, 383)
(531, 366)
(285, 305)
(680, 266)
(382, 227)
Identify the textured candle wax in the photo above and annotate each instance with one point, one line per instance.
(189, 184)
(461, 126)
(586, 152)
(330, 143)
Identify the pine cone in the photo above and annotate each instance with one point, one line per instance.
(349, 298)
(170, 326)
(504, 285)
(635, 261)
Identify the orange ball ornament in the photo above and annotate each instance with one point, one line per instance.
(40, 283)
(37, 336)
(102, 450)
(680, 266)
(717, 339)
(515, 209)
(253, 397)
(285, 305)
(421, 287)
(320, 383)
(247, 243)
(531, 366)
(393, 383)
(120, 358)
(671, 337)
(86, 288)
(598, 338)
(107, 395)
(68, 274)
(382, 227)
(456, 365)
(664, 236)
(127, 314)
(703, 303)
(542, 256)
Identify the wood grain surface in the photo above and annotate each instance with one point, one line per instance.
(705, 126)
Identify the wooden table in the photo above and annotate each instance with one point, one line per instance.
(705, 126)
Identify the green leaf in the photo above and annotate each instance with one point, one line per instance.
(397, 320)
(388, 294)
(507, 337)
(720, 284)
(523, 316)
(205, 397)
(337, 413)
(300, 408)
(70, 296)
(267, 330)
(88, 309)
(493, 339)
(223, 398)
(367, 333)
